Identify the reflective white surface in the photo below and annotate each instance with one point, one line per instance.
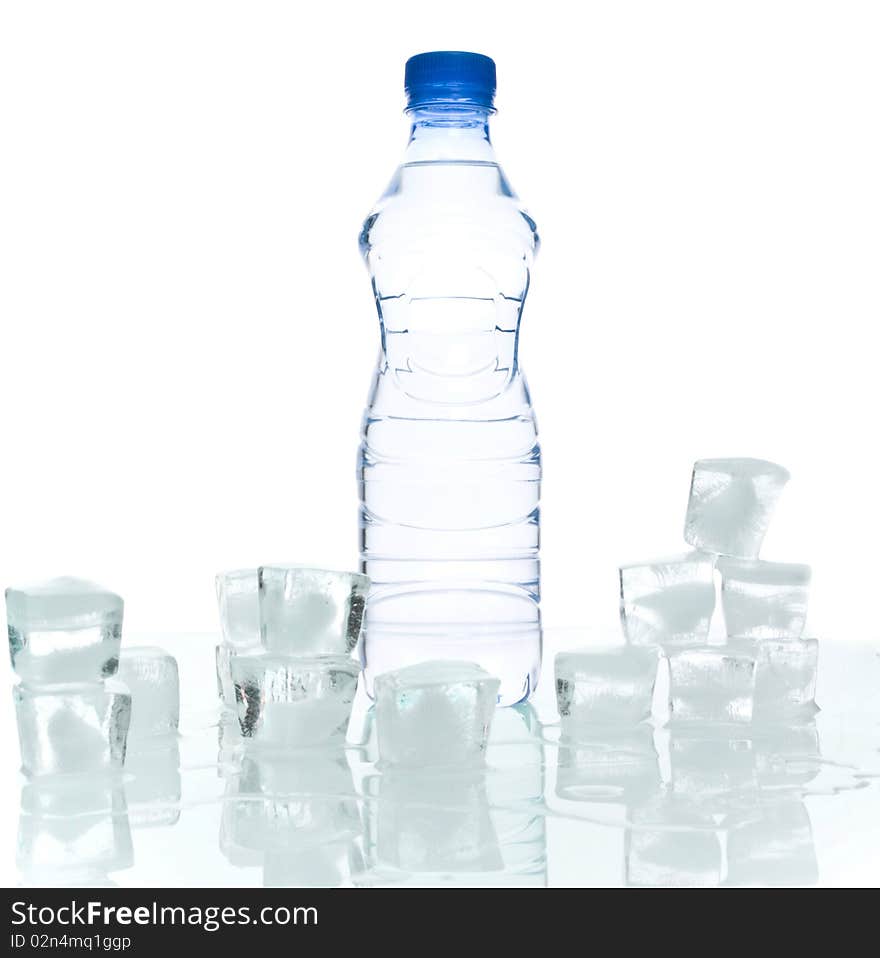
(779, 805)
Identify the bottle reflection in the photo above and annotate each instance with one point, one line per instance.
(515, 788)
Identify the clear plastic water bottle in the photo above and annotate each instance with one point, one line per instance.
(450, 466)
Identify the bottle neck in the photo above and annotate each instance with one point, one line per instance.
(447, 132)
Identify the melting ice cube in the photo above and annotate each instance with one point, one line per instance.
(670, 602)
(435, 713)
(150, 674)
(605, 686)
(239, 604)
(64, 630)
(785, 677)
(72, 728)
(731, 503)
(712, 684)
(284, 701)
(311, 611)
(764, 600)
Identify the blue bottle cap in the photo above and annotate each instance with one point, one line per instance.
(450, 77)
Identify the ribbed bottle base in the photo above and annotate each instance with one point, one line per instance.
(496, 625)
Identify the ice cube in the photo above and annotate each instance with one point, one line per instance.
(731, 503)
(73, 829)
(63, 630)
(515, 754)
(764, 600)
(311, 611)
(72, 728)
(670, 602)
(775, 849)
(239, 601)
(150, 674)
(293, 702)
(605, 686)
(712, 684)
(609, 765)
(435, 713)
(785, 678)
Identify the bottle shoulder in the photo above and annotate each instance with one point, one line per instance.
(429, 201)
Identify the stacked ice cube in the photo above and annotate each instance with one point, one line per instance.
(285, 664)
(764, 670)
(741, 739)
(764, 603)
(238, 599)
(82, 711)
(64, 638)
(740, 708)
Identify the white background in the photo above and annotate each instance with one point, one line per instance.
(188, 331)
